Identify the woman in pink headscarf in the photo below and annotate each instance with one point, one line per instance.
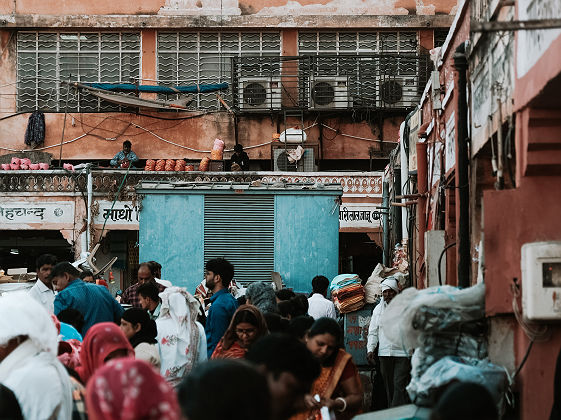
(128, 389)
(103, 342)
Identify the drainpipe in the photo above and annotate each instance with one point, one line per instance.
(462, 168)
(385, 221)
(404, 175)
(89, 209)
(422, 187)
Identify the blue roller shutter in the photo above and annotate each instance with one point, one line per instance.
(241, 228)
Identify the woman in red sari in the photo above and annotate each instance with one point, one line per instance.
(247, 325)
(338, 386)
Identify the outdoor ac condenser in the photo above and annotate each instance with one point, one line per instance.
(306, 164)
(398, 92)
(259, 93)
(329, 92)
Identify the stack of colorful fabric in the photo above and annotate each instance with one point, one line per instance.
(347, 293)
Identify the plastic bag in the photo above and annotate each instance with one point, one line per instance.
(402, 310)
(425, 389)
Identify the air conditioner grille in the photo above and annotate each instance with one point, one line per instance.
(283, 164)
(254, 94)
(323, 93)
(391, 92)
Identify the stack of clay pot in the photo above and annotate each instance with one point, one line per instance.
(23, 164)
(150, 165)
(217, 152)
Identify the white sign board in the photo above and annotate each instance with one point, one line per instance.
(532, 44)
(122, 213)
(358, 215)
(37, 212)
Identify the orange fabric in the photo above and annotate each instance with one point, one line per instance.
(326, 384)
(234, 352)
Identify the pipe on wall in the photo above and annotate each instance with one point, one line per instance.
(422, 187)
(386, 221)
(462, 170)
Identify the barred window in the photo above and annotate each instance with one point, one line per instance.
(206, 58)
(45, 60)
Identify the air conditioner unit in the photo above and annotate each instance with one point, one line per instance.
(398, 92)
(259, 93)
(328, 92)
(305, 164)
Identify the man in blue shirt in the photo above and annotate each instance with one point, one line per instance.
(218, 275)
(125, 157)
(94, 302)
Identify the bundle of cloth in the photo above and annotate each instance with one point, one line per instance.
(347, 293)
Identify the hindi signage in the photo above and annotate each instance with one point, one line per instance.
(358, 215)
(122, 213)
(36, 212)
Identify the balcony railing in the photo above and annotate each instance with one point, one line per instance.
(329, 82)
(107, 182)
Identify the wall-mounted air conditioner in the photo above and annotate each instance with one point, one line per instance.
(305, 164)
(398, 92)
(328, 92)
(259, 93)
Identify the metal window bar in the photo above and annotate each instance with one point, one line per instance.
(80, 56)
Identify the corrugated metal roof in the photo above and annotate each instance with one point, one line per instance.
(258, 187)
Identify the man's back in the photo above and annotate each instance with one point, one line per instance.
(320, 307)
(93, 301)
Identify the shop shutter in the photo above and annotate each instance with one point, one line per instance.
(241, 228)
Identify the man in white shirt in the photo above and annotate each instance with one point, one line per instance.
(395, 365)
(42, 291)
(319, 306)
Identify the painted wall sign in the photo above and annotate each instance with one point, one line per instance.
(532, 44)
(358, 215)
(122, 213)
(36, 212)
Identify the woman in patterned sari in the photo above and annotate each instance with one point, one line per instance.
(338, 387)
(246, 327)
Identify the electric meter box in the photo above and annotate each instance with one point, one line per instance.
(541, 281)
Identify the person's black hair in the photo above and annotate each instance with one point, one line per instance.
(86, 273)
(148, 265)
(275, 323)
(149, 290)
(127, 143)
(300, 305)
(223, 268)
(234, 381)
(299, 326)
(286, 308)
(72, 317)
(45, 259)
(465, 401)
(9, 406)
(242, 300)
(283, 353)
(148, 329)
(65, 267)
(320, 284)
(238, 148)
(285, 294)
(328, 326)
(155, 267)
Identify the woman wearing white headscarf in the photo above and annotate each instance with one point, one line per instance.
(28, 363)
(395, 364)
(181, 338)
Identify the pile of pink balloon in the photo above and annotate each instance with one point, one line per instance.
(24, 164)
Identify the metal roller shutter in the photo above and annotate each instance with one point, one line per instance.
(242, 230)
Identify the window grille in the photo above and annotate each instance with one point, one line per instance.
(44, 60)
(205, 58)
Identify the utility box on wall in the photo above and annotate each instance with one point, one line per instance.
(292, 229)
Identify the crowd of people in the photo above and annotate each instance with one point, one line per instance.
(69, 350)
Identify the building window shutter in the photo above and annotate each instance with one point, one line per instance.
(242, 230)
